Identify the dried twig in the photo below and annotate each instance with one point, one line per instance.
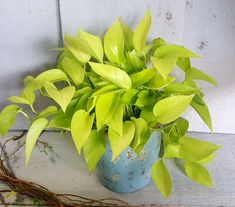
(35, 191)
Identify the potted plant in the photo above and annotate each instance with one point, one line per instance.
(122, 107)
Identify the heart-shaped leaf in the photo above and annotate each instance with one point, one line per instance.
(113, 74)
(62, 97)
(193, 150)
(120, 143)
(7, 117)
(162, 178)
(72, 44)
(201, 108)
(142, 77)
(94, 148)
(198, 173)
(91, 45)
(169, 109)
(105, 107)
(116, 121)
(164, 65)
(114, 43)
(81, 126)
(74, 70)
(33, 134)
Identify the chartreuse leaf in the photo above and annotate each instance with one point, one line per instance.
(175, 131)
(136, 64)
(145, 98)
(33, 134)
(171, 151)
(141, 32)
(128, 35)
(162, 178)
(114, 43)
(62, 97)
(201, 108)
(28, 79)
(174, 51)
(105, 107)
(184, 63)
(158, 82)
(148, 116)
(113, 74)
(195, 74)
(91, 45)
(164, 65)
(130, 96)
(83, 101)
(62, 120)
(47, 112)
(7, 117)
(158, 42)
(198, 173)
(169, 109)
(52, 75)
(120, 143)
(180, 88)
(27, 97)
(116, 121)
(81, 126)
(74, 70)
(142, 134)
(17, 100)
(192, 150)
(72, 44)
(106, 89)
(142, 77)
(206, 160)
(94, 148)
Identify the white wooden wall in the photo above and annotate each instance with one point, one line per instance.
(28, 29)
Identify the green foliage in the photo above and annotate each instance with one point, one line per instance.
(34, 132)
(162, 178)
(122, 87)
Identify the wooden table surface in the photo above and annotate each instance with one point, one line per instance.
(62, 170)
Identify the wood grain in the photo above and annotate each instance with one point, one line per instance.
(64, 171)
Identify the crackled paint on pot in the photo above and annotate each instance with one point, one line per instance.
(129, 173)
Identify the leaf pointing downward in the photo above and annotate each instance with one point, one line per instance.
(81, 126)
(162, 178)
(62, 97)
(34, 132)
(7, 117)
(120, 143)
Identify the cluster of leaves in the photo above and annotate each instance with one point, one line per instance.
(120, 86)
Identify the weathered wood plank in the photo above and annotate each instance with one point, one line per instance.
(65, 171)
(28, 30)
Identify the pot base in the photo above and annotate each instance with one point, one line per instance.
(129, 172)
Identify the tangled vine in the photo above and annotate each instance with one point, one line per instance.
(38, 194)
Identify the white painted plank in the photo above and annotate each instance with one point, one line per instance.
(68, 173)
(213, 22)
(96, 16)
(28, 29)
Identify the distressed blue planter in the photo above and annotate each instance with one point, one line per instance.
(129, 173)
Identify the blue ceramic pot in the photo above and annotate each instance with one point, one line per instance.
(129, 172)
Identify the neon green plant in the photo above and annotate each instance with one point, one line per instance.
(108, 87)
